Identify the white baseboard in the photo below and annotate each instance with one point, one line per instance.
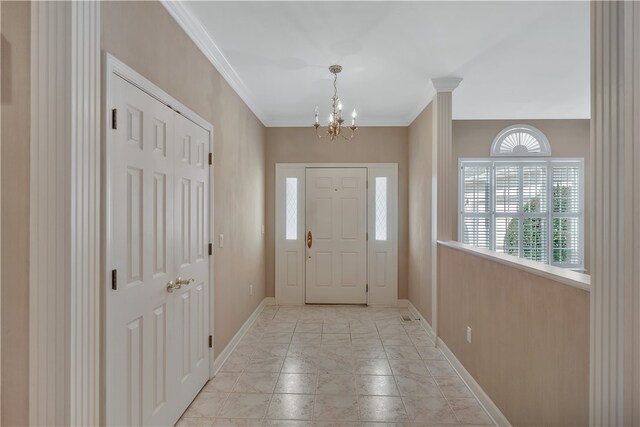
(423, 322)
(224, 355)
(494, 412)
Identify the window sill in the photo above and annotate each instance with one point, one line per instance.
(558, 274)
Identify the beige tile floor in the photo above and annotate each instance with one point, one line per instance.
(335, 366)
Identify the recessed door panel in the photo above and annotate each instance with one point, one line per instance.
(185, 332)
(160, 253)
(349, 269)
(134, 372)
(324, 219)
(159, 378)
(349, 217)
(336, 217)
(381, 269)
(292, 268)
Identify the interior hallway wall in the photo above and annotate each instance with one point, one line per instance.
(16, 119)
(420, 192)
(370, 145)
(568, 138)
(144, 36)
(530, 345)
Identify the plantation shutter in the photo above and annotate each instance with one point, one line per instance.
(567, 215)
(535, 213)
(507, 232)
(475, 203)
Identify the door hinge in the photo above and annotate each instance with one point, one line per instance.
(114, 118)
(114, 279)
(210, 341)
(210, 158)
(367, 236)
(210, 248)
(367, 287)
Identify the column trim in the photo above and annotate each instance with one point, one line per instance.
(64, 281)
(85, 304)
(615, 226)
(441, 179)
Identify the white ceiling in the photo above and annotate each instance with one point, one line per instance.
(518, 60)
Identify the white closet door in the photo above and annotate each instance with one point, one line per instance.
(336, 219)
(157, 358)
(191, 231)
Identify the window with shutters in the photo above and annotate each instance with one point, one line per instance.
(529, 208)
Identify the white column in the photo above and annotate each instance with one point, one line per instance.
(615, 227)
(64, 282)
(442, 188)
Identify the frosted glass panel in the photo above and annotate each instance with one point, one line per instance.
(292, 209)
(381, 208)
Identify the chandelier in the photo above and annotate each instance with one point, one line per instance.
(334, 128)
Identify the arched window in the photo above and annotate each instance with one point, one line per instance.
(520, 141)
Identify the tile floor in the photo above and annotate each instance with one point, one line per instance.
(335, 366)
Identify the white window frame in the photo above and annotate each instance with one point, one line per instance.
(491, 214)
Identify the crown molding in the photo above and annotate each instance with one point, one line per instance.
(440, 84)
(419, 108)
(199, 35)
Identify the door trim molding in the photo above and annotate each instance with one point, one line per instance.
(294, 295)
(113, 67)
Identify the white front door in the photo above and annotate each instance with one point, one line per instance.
(157, 358)
(336, 235)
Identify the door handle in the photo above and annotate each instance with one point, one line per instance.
(309, 239)
(180, 281)
(171, 286)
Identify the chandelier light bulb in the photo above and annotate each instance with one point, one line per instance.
(353, 115)
(331, 118)
(339, 105)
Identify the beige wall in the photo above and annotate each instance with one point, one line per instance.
(370, 145)
(568, 138)
(14, 368)
(420, 168)
(530, 337)
(146, 37)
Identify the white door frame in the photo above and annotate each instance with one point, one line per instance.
(290, 254)
(114, 68)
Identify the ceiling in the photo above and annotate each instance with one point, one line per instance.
(518, 60)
